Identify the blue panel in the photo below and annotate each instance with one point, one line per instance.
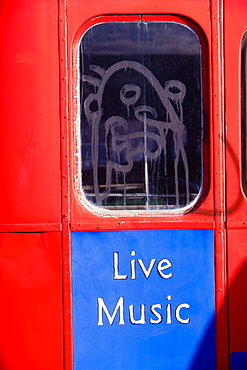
(161, 287)
(239, 361)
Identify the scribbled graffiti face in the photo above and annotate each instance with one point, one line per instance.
(134, 135)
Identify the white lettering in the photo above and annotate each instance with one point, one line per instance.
(160, 268)
(162, 265)
(147, 271)
(119, 306)
(168, 311)
(115, 268)
(157, 314)
(133, 266)
(142, 319)
(168, 314)
(177, 313)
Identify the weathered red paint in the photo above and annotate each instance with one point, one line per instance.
(235, 28)
(31, 301)
(30, 252)
(39, 202)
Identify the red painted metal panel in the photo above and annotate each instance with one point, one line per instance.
(208, 15)
(29, 133)
(80, 18)
(31, 301)
(235, 27)
(38, 40)
(30, 192)
(237, 268)
(234, 32)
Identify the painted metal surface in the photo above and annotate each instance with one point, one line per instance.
(39, 199)
(208, 17)
(30, 232)
(31, 301)
(236, 199)
(29, 131)
(238, 360)
(143, 299)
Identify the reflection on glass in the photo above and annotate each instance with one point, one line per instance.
(141, 116)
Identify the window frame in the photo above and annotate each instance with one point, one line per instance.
(80, 195)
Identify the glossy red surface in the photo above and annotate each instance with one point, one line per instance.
(31, 301)
(30, 239)
(235, 28)
(39, 199)
(207, 16)
(29, 131)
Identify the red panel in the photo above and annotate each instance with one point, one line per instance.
(207, 15)
(31, 301)
(235, 27)
(234, 32)
(29, 134)
(237, 264)
(82, 16)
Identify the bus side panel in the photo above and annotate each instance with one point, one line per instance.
(235, 28)
(237, 265)
(29, 93)
(31, 301)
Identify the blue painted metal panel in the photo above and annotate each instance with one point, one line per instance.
(143, 299)
(239, 361)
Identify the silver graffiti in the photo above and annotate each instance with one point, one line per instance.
(171, 96)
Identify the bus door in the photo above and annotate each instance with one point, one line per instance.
(235, 106)
(143, 218)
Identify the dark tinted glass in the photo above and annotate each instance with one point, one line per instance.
(141, 116)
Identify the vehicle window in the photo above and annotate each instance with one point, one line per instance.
(141, 116)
